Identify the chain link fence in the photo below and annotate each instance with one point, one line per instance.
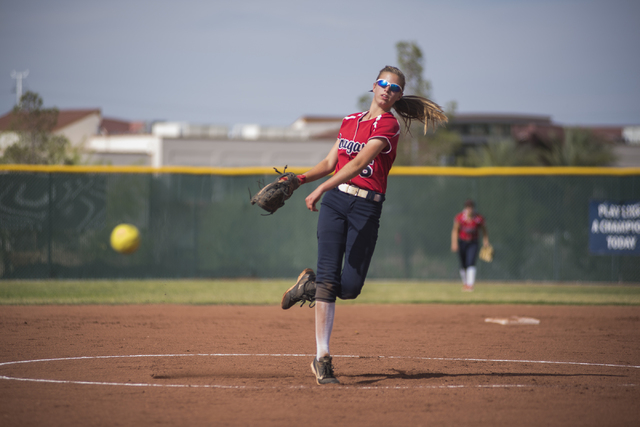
(56, 223)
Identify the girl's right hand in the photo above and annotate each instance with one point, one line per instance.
(313, 198)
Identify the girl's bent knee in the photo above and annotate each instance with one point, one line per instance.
(350, 295)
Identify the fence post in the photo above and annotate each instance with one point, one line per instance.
(50, 225)
(194, 219)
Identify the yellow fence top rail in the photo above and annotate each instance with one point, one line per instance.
(488, 171)
(398, 170)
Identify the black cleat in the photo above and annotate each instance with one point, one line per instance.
(323, 370)
(303, 290)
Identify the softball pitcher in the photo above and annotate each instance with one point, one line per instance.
(352, 204)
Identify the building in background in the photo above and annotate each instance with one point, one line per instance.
(482, 129)
(79, 126)
(304, 143)
(625, 141)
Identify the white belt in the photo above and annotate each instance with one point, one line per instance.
(359, 192)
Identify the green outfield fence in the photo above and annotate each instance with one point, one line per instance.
(55, 222)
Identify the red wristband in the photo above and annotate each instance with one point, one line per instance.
(302, 178)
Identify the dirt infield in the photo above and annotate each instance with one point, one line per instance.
(399, 365)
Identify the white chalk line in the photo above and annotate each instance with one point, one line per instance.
(458, 359)
(237, 387)
(241, 387)
(455, 359)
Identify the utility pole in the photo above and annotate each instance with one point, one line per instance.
(19, 77)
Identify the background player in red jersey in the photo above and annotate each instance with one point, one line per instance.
(464, 240)
(352, 204)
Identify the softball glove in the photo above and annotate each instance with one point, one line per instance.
(272, 196)
(486, 253)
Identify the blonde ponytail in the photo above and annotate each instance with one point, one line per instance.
(422, 109)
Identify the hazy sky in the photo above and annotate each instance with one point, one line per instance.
(272, 61)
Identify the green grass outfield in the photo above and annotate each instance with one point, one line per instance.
(269, 292)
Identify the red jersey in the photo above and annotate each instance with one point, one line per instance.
(468, 227)
(354, 135)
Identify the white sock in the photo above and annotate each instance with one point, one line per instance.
(471, 276)
(325, 312)
(463, 276)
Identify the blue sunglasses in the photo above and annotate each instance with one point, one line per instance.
(384, 84)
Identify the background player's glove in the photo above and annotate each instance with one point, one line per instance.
(272, 196)
(486, 253)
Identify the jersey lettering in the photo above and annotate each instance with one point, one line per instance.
(350, 147)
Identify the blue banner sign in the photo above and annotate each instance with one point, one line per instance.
(614, 228)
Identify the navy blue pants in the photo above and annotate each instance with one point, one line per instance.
(347, 235)
(468, 251)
